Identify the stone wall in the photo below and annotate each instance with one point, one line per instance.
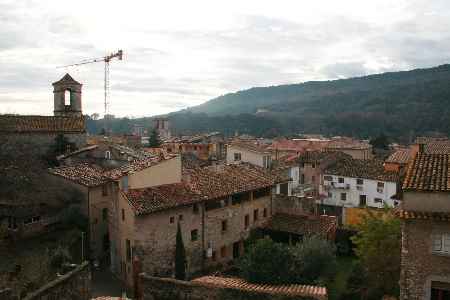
(75, 285)
(154, 288)
(419, 266)
(37, 143)
(293, 205)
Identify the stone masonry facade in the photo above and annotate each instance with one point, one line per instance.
(420, 266)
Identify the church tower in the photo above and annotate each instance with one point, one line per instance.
(67, 97)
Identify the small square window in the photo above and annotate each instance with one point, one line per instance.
(180, 217)
(237, 156)
(214, 255)
(341, 179)
(343, 196)
(224, 225)
(380, 185)
(359, 181)
(194, 235)
(247, 221)
(255, 215)
(378, 200)
(172, 220)
(223, 251)
(313, 166)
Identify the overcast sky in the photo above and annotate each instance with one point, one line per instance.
(182, 53)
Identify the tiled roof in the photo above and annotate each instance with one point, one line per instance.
(92, 175)
(42, 124)
(251, 146)
(429, 139)
(418, 215)
(66, 79)
(279, 290)
(84, 174)
(319, 156)
(348, 144)
(161, 197)
(434, 145)
(401, 156)
(304, 225)
(224, 180)
(428, 172)
(365, 169)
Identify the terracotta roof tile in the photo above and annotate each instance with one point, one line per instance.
(348, 144)
(161, 197)
(419, 215)
(401, 156)
(224, 180)
(280, 290)
(365, 169)
(84, 174)
(304, 225)
(428, 172)
(251, 146)
(42, 124)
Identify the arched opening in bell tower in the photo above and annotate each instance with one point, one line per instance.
(67, 97)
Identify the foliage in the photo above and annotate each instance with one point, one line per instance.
(73, 218)
(378, 244)
(154, 141)
(60, 146)
(314, 260)
(267, 262)
(380, 142)
(59, 257)
(180, 256)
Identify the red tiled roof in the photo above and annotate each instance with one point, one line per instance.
(227, 179)
(399, 157)
(304, 225)
(428, 172)
(251, 146)
(348, 144)
(358, 168)
(418, 215)
(280, 290)
(84, 174)
(161, 197)
(41, 124)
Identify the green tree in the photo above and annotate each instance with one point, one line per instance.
(180, 256)
(380, 142)
(267, 262)
(154, 140)
(378, 245)
(315, 260)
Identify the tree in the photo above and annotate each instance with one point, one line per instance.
(180, 256)
(380, 142)
(315, 260)
(60, 146)
(378, 245)
(154, 141)
(267, 262)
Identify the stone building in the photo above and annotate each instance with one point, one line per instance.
(425, 216)
(39, 132)
(216, 208)
(162, 126)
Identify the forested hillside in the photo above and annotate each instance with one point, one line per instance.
(399, 104)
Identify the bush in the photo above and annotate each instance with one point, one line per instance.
(315, 260)
(267, 262)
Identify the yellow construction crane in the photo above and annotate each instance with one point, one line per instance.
(106, 59)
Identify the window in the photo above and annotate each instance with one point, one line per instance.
(214, 255)
(123, 214)
(215, 204)
(195, 208)
(128, 246)
(67, 95)
(261, 193)
(302, 179)
(343, 196)
(246, 221)
(330, 195)
(180, 217)
(36, 219)
(303, 165)
(313, 179)
(313, 166)
(107, 154)
(362, 200)
(441, 243)
(341, 179)
(237, 156)
(265, 212)
(255, 215)
(378, 200)
(172, 220)
(194, 235)
(328, 178)
(359, 181)
(105, 190)
(105, 214)
(380, 185)
(224, 225)
(223, 251)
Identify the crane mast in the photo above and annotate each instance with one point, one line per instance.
(106, 60)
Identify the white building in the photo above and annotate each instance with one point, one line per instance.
(357, 183)
(249, 152)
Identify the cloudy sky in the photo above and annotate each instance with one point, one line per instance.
(182, 53)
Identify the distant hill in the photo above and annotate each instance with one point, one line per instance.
(399, 104)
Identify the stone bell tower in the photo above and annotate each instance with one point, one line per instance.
(67, 97)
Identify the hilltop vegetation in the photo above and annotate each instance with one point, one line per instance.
(399, 104)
